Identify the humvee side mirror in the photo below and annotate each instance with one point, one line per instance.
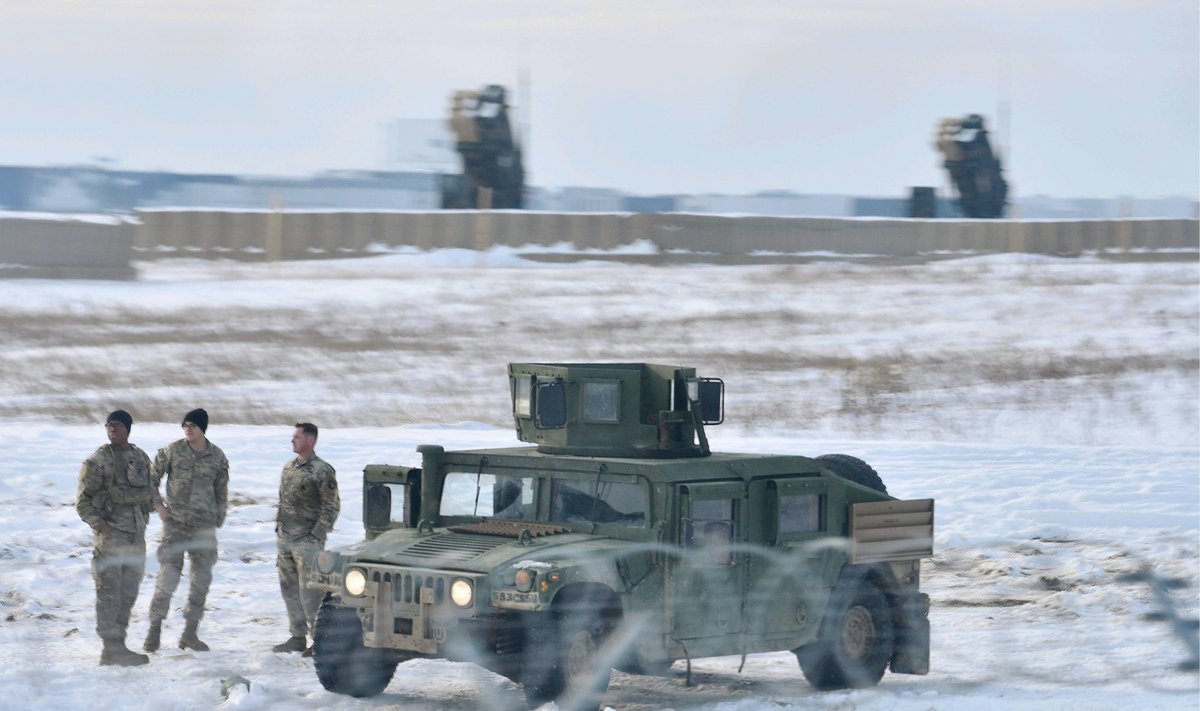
(550, 407)
(379, 506)
(712, 401)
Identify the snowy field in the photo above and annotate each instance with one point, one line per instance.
(1011, 348)
(1050, 406)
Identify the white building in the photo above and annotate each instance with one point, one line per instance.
(776, 204)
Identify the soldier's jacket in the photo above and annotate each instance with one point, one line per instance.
(197, 484)
(116, 487)
(308, 500)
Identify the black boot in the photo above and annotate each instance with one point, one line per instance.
(294, 644)
(116, 653)
(154, 636)
(189, 640)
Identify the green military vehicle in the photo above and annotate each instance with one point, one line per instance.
(619, 540)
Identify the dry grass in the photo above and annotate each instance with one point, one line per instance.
(880, 351)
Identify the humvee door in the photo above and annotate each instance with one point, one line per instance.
(706, 577)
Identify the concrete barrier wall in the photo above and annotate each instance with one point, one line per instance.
(45, 245)
(300, 235)
(110, 242)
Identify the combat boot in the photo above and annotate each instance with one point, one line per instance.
(153, 637)
(189, 640)
(294, 644)
(116, 653)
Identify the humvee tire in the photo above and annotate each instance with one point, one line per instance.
(854, 469)
(564, 663)
(856, 639)
(343, 664)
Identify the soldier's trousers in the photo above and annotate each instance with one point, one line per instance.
(118, 563)
(302, 604)
(199, 544)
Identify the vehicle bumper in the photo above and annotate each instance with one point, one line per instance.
(411, 610)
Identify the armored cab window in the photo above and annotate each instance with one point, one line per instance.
(710, 530)
(602, 401)
(619, 503)
(468, 494)
(799, 509)
(551, 405)
(513, 498)
(522, 395)
(481, 494)
(799, 514)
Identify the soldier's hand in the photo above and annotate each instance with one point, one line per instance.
(162, 510)
(104, 528)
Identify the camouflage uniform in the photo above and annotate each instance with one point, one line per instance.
(115, 487)
(197, 496)
(308, 506)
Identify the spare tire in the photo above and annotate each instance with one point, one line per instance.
(854, 469)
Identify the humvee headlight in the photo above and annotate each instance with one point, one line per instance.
(356, 581)
(525, 578)
(461, 592)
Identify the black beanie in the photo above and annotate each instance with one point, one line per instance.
(122, 417)
(197, 417)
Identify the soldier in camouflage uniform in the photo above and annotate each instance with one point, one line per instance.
(308, 506)
(115, 496)
(197, 474)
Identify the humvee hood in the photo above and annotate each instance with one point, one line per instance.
(460, 548)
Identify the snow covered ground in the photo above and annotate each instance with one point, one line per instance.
(1000, 348)
(1050, 406)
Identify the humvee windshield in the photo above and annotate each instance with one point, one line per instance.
(592, 502)
(572, 501)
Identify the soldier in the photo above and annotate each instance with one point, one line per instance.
(115, 496)
(308, 507)
(197, 474)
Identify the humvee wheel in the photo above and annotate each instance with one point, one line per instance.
(343, 664)
(565, 664)
(855, 643)
(854, 469)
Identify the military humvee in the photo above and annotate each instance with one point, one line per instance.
(621, 541)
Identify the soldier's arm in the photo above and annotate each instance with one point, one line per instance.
(87, 503)
(162, 465)
(153, 504)
(221, 490)
(331, 502)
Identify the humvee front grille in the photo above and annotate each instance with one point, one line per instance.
(406, 587)
(453, 547)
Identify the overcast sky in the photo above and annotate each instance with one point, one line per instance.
(1091, 98)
